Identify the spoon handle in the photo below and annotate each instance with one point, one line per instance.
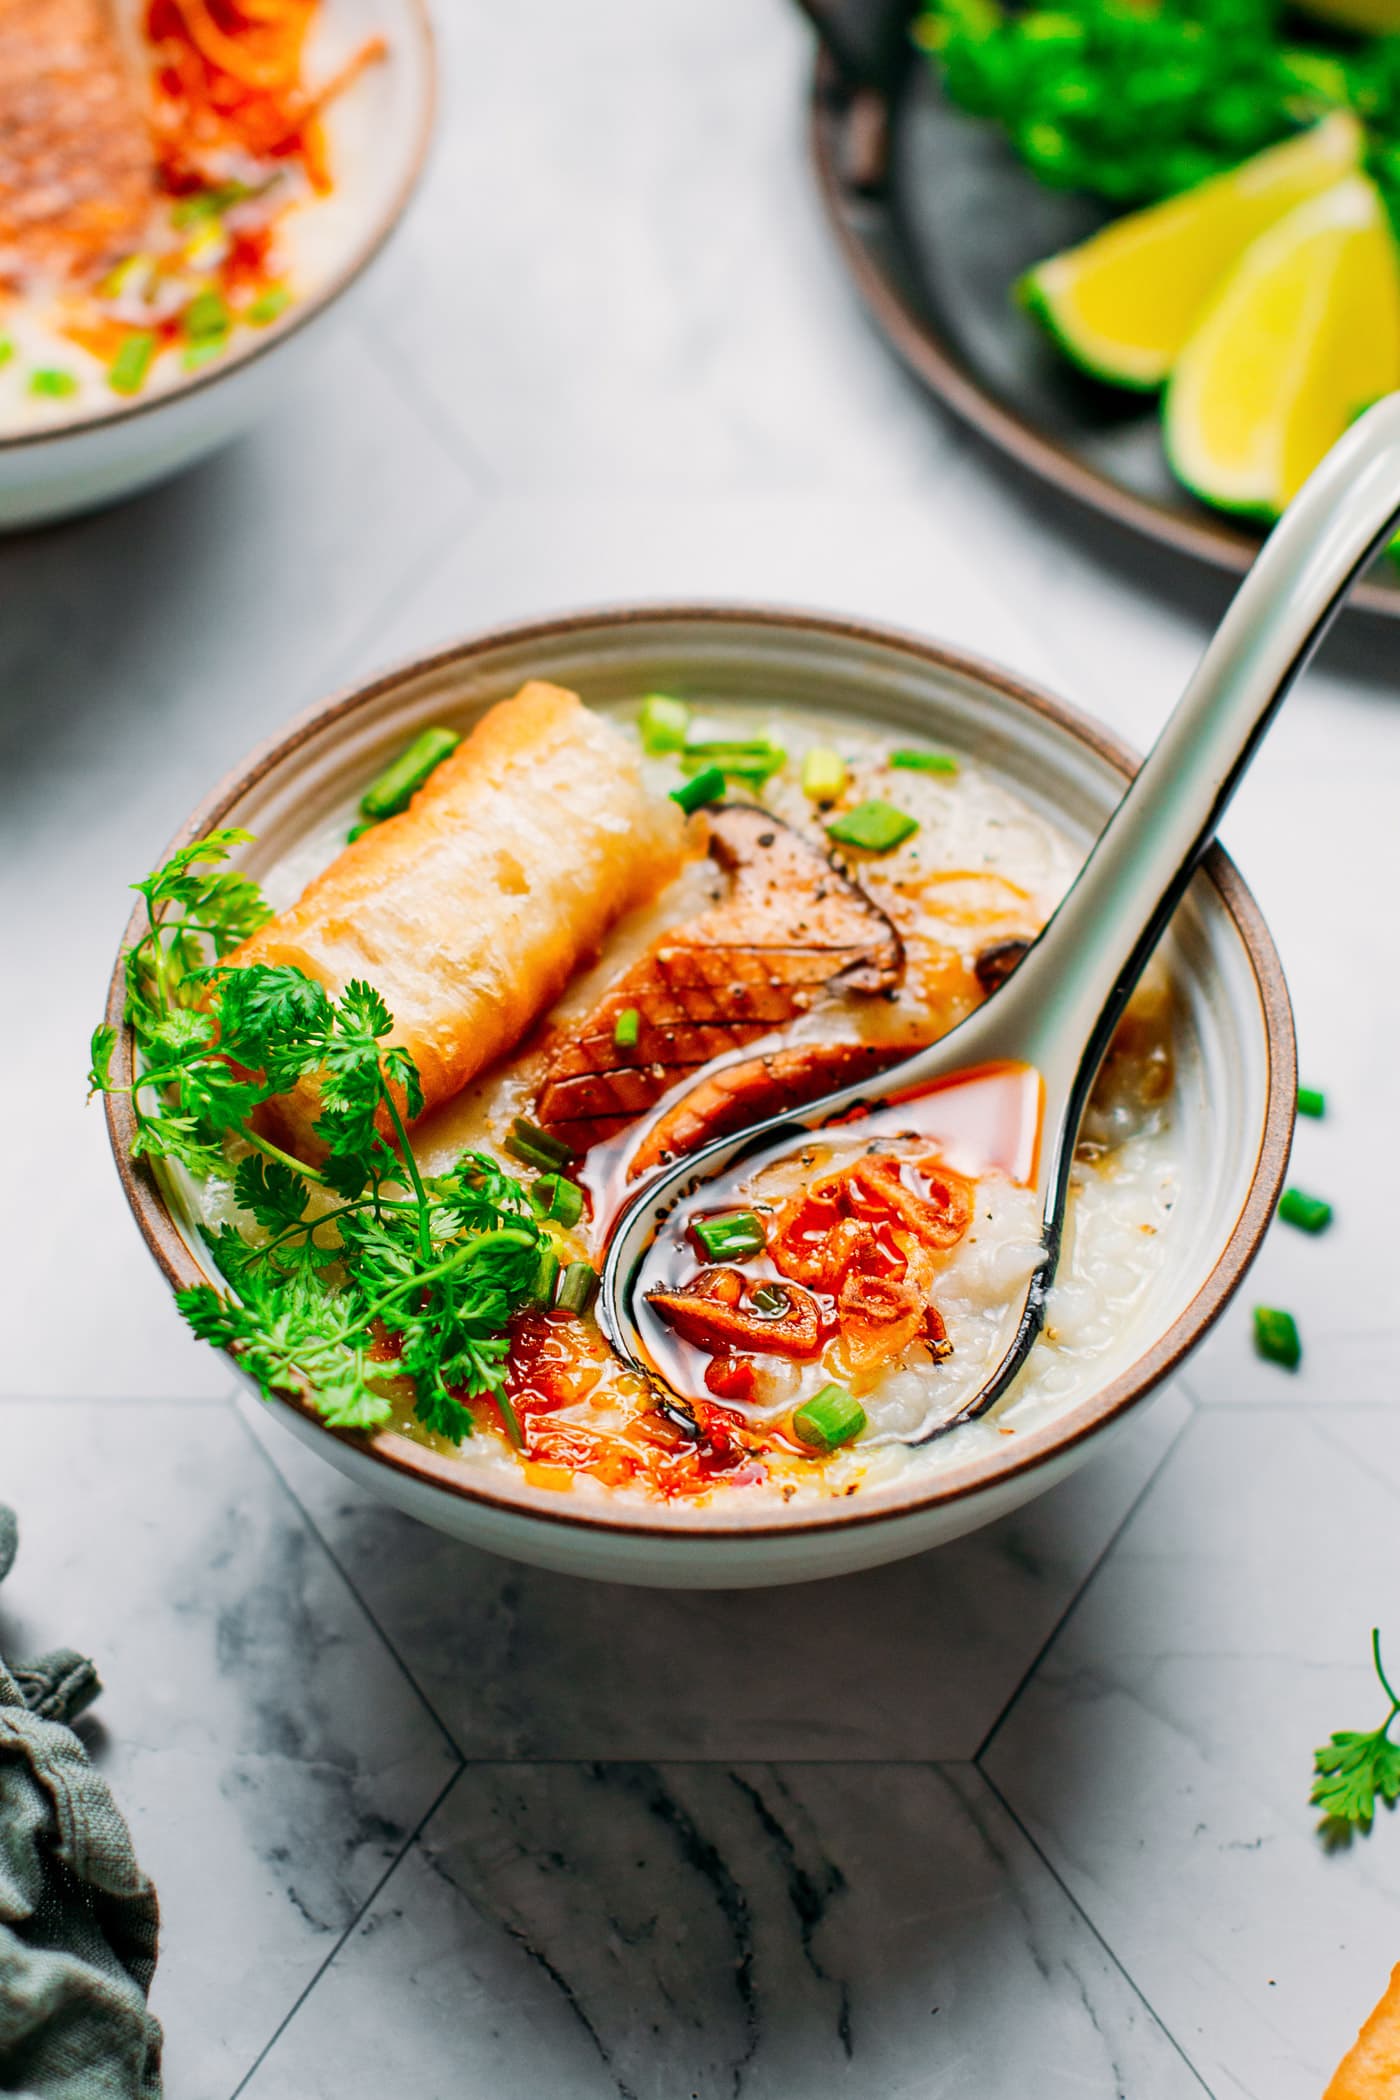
(1071, 988)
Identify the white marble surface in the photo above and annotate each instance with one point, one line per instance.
(1028, 1816)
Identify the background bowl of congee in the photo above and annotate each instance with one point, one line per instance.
(1232, 1112)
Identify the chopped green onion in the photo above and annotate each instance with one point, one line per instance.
(555, 1196)
(1276, 1337)
(663, 724)
(206, 315)
(127, 372)
(823, 773)
(1311, 1102)
(923, 762)
(829, 1418)
(357, 831)
(208, 204)
(1308, 1213)
(578, 1289)
(121, 275)
(627, 1029)
(546, 1277)
(731, 1237)
(52, 383)
(704, 787)
(558, 1153)
(771, 1300)
(754, 760)
(195, 356)
(264, 311)
(876, 827)
(7, 349)
(397, 785)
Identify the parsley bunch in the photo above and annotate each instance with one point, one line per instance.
(1351, 1769)
(363, 1269)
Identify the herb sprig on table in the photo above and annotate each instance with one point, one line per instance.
(363, 1268)
(1351, 1768)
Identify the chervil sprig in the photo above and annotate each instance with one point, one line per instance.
(1351, 1769)
(368, 1271)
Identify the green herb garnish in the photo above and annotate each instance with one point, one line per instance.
(52, 383)
(753, 760)
(365, 1269)
(1311, 1102)
(265, 310)
(126, 374)
(7, 349)
(627, 1028)
(555, 1196)
(875, 827)
(663, 723)
(1276, 1337)
(693, 794)
(535, 1147)
(207, 204)
(1308, 1213)
(1351, 1769)
(823, 774)
(578, 1289)
(731, 1237)
(830, 1418)
(396, 786)
(923, 762)
(206, 316)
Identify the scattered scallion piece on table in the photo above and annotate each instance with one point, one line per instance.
(527, 1142)
(830, 1418)
(126, 374)
(875, 827)
(1311, 1102)
(731, 1237)
(1276, 1337)
(578, 1288)
(823, 774)
(555, 1196)
(52, 383)
(664, 724)
(265, 310)
(923, 762)
(1351, 1768)
(1308, 1213)
(701, 788)
(397, 785)
(627, 1028)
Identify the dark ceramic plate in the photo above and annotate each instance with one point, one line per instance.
(935, 220)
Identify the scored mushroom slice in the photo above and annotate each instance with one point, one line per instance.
(792, 924)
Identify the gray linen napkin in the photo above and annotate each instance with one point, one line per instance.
(78, 1918)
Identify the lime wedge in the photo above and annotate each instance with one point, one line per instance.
(1123, 303)
(1304, 334)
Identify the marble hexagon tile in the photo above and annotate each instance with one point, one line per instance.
(268, 1751)
(648, 1932)
(915, 1660)
(1161, 1755)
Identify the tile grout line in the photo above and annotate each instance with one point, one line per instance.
(1091, 1927)
(1081, 1589)
(314, 1528)
(395, 1863)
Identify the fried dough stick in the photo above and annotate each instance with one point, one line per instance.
(471, 911)
(1370, 2070)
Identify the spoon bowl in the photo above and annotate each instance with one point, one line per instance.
(1056, 1014)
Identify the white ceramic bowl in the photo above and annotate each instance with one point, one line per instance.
(379, 137)
(1236, 1080)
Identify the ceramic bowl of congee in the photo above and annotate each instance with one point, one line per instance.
(621, 881)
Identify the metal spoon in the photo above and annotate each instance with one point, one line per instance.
(1058, 1010)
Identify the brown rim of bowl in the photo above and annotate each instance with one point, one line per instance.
(917, 344)
(302, 313)
(1032, 1450)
